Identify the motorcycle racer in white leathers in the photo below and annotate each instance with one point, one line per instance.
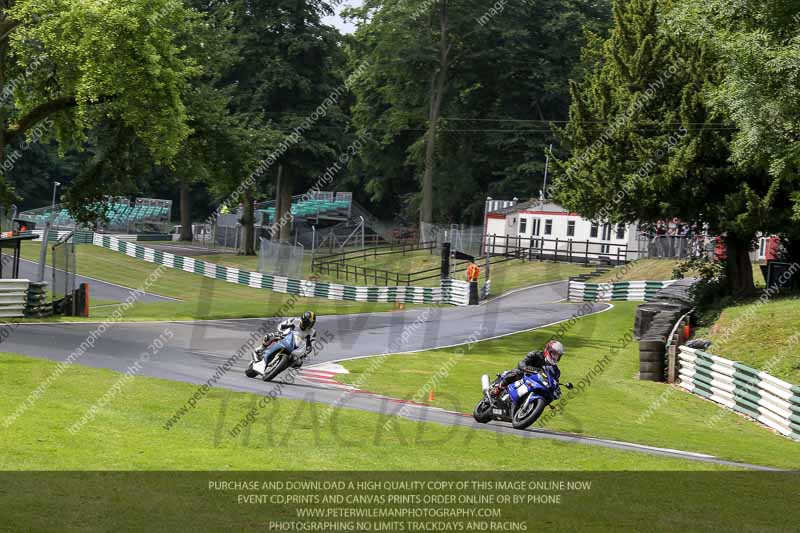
(303, 333)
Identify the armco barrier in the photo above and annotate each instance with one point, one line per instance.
(13, 297)
(765, 398)
(451, 292)
(639, 291)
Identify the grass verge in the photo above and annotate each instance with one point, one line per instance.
(128, 433)
(765, 336)
(613, 403)
(201, 297)
(656, 270)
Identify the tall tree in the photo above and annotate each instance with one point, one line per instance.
(459, 96)
(758, 43)
(645, 144)
(68, 66)
(225, 144)
(291, 71)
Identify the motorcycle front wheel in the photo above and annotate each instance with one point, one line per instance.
(528, 413)
(249, 372)
(278, 364)
(482, 412)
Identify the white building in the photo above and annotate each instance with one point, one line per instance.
(545, 229)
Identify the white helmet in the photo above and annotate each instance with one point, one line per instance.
(553, 352)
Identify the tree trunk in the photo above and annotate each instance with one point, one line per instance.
(438, 83)
(739, 268)
(248, 223)
(284, 193)
(275, 229)
(186, 215)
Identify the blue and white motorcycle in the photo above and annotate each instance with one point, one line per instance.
(279, 354)
(523, 401)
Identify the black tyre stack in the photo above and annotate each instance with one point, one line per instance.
(654, 323)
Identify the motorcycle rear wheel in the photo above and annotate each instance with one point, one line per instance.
(528, 414)
(482, 412)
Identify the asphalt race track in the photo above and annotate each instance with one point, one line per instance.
(198, 348)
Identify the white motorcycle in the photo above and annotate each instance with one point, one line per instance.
(287, 355)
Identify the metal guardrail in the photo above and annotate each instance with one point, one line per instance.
(674, 340)
(758, 395)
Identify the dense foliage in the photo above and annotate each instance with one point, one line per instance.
(654, 108)
(499, 76)
(649, 139)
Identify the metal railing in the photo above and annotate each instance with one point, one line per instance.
(401, 247)
(559, 250)
(337, 265)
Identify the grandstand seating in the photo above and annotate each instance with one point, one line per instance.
(310, 208)
(117, 214)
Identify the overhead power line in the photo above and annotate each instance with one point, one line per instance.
(546, 121)
(725, 125)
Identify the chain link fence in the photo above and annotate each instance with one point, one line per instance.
(213, 236)
(63, 267)
(462, 238)
(227, 236)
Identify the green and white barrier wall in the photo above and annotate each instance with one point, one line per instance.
(86, 237)
(146, 237)
(760, 396)
(639, 291)
(13, 297)
(81, 237)
(450, 292)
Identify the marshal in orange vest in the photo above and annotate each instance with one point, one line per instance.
(473, 271)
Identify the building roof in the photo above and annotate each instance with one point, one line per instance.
(531, 205)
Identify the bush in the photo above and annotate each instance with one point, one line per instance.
(711, 290)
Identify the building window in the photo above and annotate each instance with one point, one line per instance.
(536, 226)
(594, 231)
(548, 227)
(606, 248)
(523, 223)
(620, 231)
(571, 228)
